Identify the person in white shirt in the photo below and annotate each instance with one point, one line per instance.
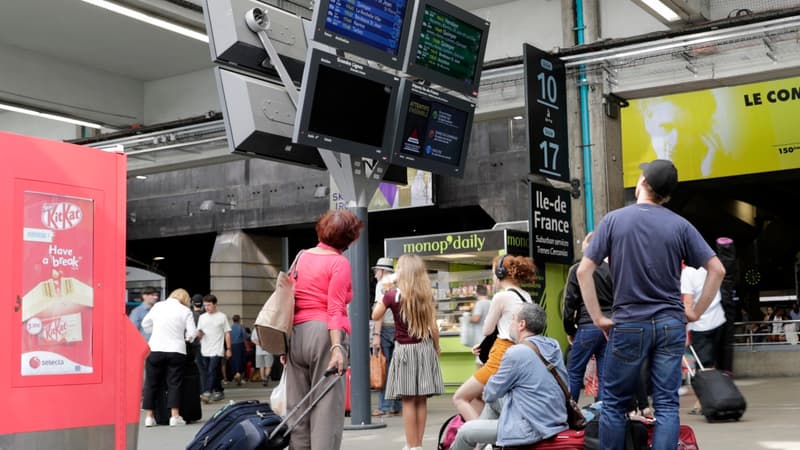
(214, 332)
(707, 332)
(171, 325)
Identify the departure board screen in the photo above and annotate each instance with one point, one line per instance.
(449, 45)
(375, 23)
(434, 130)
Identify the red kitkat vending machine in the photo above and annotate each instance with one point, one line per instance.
(71, 365)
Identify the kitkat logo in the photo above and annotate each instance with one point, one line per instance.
(61, 216)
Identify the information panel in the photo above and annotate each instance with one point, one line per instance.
(448, 46)
(373, 29)
(434, 131)
(551, 230)
(377, 23)
(546, 106)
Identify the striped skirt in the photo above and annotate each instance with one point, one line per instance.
(414, 371)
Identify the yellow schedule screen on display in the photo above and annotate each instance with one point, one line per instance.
(715, 133)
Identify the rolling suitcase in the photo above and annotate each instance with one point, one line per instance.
(719, 398)
(252, 425)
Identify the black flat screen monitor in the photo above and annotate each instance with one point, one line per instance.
(433, 130)
(447, 46)
(347, 107)
(373, 29)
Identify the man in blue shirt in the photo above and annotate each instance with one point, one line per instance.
(149, 298)
(645, 243)
(533, 404)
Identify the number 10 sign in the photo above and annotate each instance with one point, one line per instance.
(545, 103)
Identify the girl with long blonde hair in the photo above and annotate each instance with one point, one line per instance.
(414, 373)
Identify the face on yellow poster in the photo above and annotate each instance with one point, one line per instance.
(715, 133)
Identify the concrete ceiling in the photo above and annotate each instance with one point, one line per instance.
(476, 4)
(84, 34)
(77, 32)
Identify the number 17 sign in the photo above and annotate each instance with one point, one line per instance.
(545, 103)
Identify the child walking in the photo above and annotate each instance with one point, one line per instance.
(414, 373)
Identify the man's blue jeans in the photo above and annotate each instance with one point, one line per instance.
(589, 340)
(662, 340)
(210, 366)
(387, 347)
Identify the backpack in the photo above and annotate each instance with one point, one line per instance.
(447, 434)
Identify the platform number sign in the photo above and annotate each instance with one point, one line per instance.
(545, 103)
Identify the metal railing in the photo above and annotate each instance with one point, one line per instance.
(763, 335)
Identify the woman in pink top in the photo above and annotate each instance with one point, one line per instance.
(319, 336)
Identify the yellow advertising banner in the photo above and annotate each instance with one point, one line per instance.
(721, 132)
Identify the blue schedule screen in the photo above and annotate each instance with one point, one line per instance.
(377, 23)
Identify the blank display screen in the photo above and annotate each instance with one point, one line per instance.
(350, 107)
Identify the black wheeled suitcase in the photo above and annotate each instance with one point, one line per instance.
(252, 425)
(719, 398)
(191, 409)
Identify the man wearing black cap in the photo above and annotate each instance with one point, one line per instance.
(645, 243)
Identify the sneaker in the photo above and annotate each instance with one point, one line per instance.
(217, 396)
(149, 421)
(237, 379)
(176, 420)
(205, 396)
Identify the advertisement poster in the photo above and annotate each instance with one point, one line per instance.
(418, 192)
(715, 133)
(58, 298)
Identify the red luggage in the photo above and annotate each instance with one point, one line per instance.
(566, 440)
(686, 439)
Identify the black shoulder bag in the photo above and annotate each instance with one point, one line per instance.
(488, 341)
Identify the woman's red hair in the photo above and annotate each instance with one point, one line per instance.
(338, 228)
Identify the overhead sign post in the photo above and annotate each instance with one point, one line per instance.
(546, 106)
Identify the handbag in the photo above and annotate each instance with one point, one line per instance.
(377, 370)
(277, 399)
(486, 346)
(273, 324)
(575, 418)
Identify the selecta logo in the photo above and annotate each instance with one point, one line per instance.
(34, 362)
(61, 216)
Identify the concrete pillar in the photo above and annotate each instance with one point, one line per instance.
(243, 272)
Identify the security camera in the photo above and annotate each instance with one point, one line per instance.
(257, 20)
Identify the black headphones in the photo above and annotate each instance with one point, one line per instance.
(500, 272)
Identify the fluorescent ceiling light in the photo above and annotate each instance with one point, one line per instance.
(661, 9)
(31, 112)
(141, 177)
(517, 117)
(134, 14)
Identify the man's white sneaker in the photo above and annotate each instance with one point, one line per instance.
(176, 420)
(149, 421)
